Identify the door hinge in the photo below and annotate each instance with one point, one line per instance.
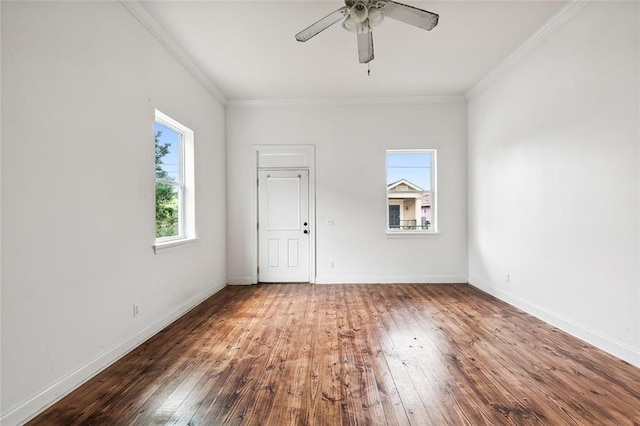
(258, 225)
(258, 269)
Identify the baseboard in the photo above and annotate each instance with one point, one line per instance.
(239, 280)
(24, 411)
(614, 347)
(409, 279)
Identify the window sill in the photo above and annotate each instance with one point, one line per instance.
(412, 234)
(167, 245)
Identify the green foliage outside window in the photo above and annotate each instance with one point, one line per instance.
(166, 196)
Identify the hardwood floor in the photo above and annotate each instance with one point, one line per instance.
(397, 354)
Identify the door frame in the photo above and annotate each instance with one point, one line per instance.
(283, 157)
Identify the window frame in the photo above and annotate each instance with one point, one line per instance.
(433, 228)
(185, 184)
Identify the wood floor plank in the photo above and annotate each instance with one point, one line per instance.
(267, 392)
(382, 401)
(560, 381)
(353, 374)
(498, 366)
(251, 358)
(389, 354)
(415, 391)
(437, 358)
(328, 400)
(215, 364)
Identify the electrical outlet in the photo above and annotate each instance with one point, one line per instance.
(507, 278)
(135, 310)
(332, 264)
(331, 222)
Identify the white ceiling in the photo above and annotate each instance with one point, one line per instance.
(248, 50)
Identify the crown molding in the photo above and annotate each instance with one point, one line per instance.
(525, 48)
(327, 102)
(142, 15)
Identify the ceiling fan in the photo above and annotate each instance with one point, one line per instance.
(360, 16)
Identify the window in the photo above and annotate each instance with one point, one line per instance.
(411, 185)
(175, 218)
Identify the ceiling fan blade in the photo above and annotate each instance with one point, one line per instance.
(322, 24)
(365, 46)
(411, 15)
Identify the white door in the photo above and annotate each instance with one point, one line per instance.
(283, 226)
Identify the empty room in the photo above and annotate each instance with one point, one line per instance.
(366, 212)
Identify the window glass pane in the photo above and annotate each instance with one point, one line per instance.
(167, 153)
(414, 167)
(167, 210)
(175, 180)
(410, 190)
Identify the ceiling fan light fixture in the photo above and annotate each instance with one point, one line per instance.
(359, 12)
(375, 16)
(350, 25)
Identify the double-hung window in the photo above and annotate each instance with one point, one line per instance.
(174, 144)
(411, 191)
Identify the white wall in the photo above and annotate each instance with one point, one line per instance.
(351, 138)
(554, 182)
(80, 81)
(1, 133)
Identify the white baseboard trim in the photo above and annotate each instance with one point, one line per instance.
(320, 279)
(239, 280)
(431, 279)
(28, 409)
(616, 348)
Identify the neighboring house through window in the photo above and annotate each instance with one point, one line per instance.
(411, 190)
(174, 144)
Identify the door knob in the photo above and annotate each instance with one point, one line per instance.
(306, 231)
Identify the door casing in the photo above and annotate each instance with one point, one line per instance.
(284, 157)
